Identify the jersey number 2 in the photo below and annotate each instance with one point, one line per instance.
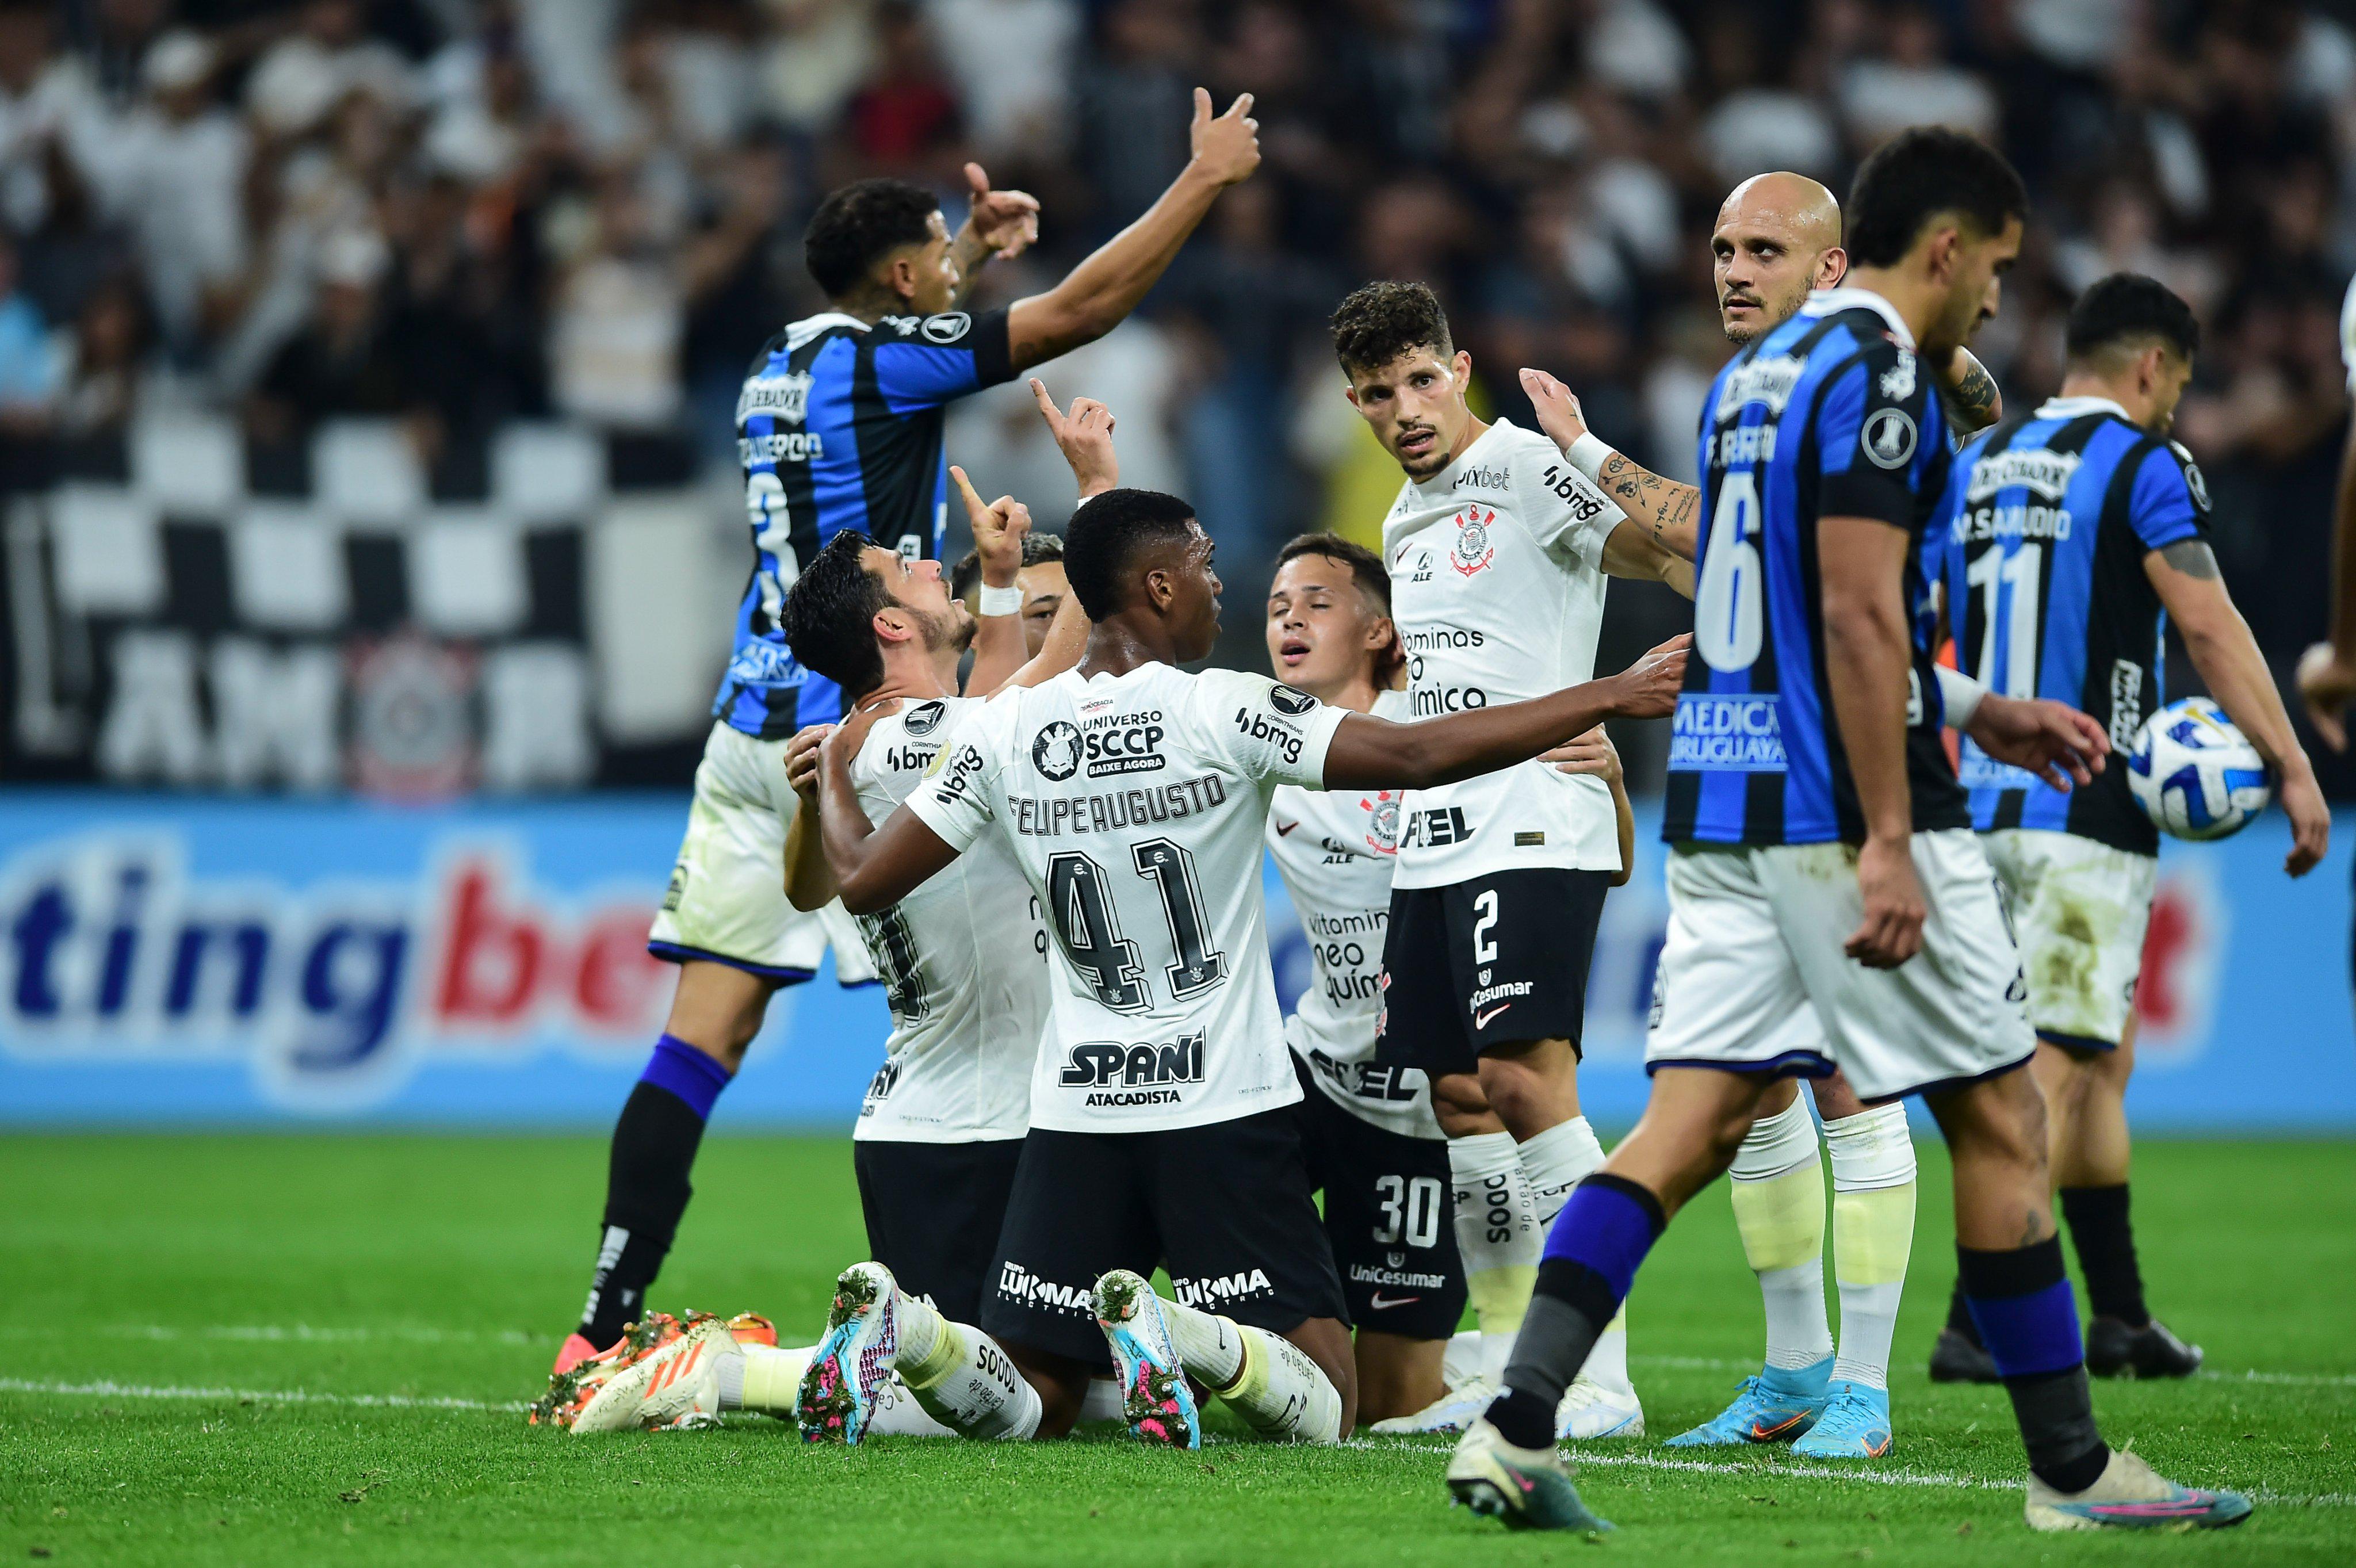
(1088, 930)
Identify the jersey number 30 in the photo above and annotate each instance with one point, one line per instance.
(1089, 928)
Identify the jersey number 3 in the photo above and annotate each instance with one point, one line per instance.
(1088, 928)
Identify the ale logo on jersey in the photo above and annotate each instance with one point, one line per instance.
(1472, 550)
(1055, 751)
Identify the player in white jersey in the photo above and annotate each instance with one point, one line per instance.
(1498, 550)
(1136, 798)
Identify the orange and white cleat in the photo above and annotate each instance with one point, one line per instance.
(677, 1387)
(571, 1388)
(572, 1353)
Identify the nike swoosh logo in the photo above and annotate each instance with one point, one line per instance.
(1480, 1020)
(1769, 1433)
(1284, 828)
(1380, 1304)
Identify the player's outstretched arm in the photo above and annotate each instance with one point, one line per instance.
(1085, 438)
(1065, 644)
(873, 868)
(1368, 753)
(1667, 512)
(1972, 400)
(2327, 671)
(809, 881)
(1106, 287)
(998, 532)
(1868, 650)
(2185, 576)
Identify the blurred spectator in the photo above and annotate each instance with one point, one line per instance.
(29, 369)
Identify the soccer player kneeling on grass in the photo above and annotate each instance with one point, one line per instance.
(1135, 798)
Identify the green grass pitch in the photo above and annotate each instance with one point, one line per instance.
(256, 1350)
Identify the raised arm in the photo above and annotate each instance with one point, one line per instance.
(1666, 511)
(873, 868)
(1972, 401)
(809, 882)
(1085, 438)
(2185, 576)
(1368, 753)
(998, 531)
(1106, 287)
(1868, 650)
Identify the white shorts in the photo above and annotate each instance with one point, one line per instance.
(727, 901)
(2080, 908)
(1754, 978)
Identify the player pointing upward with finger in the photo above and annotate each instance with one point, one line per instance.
(839, 427)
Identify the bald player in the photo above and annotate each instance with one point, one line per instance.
(1778, 239)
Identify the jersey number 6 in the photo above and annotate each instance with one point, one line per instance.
(1727, 625)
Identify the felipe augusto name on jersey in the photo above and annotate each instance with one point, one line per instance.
(1828, 415)
(839, 425)
(2040, 537)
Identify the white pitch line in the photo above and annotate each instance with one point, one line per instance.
(108, 1390)
(2280, 1380)
(290, 1332)
(1878, 1477)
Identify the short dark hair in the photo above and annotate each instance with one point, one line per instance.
(1373, 579)
(830, 616)
(1380, 321)
(2126, 307)
(1106, 537)
(1037, 546)
(859, 225)
(1918, 173)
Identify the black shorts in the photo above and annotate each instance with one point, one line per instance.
(1501, 958)
(1387, 1215)
(1225, 1207)
(933, 1212)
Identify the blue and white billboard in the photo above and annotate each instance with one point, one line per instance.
(242, 962)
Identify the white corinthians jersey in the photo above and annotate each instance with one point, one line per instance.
(1135, 805)
(1497, 586)
(964, 958)
(1334, 852)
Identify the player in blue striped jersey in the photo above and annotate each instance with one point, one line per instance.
(2065, 540)
(1822, 852)
(839, 428)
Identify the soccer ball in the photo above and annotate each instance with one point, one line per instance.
(2196, 776)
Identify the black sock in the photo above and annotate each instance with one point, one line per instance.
(2100, 1229)
(1959, 1315)
(2029, 1320)
(2056, 1412)
(646, 1192)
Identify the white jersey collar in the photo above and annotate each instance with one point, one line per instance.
(809, 327)
(1832, 301)
(2079, 407)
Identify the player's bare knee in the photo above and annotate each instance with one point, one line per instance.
(1461, 1107)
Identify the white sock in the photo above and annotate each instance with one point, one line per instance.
(1557, 1160)
(1873, 1235)
(1264, 1378)
(768, 1378)
(1607, 1364)
(963, 1377)
(1102, 1401)
(1462, 1359)
(1778, 1192)
(1498, 1236)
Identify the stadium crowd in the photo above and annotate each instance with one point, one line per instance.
(455, 212)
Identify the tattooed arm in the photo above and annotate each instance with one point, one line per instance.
(1972, 401)
(1665, 510)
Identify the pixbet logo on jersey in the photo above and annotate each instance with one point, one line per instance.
(110, 949)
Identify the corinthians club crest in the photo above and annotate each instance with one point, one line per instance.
(1382, 822)
(1471, 551)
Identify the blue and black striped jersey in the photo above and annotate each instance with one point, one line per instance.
(2039, 538)
(839, 427)
(1829, 414)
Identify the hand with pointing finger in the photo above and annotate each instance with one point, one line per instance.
(1225, 148)
(1003, 222)
(998, 531)
(1085, 438)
